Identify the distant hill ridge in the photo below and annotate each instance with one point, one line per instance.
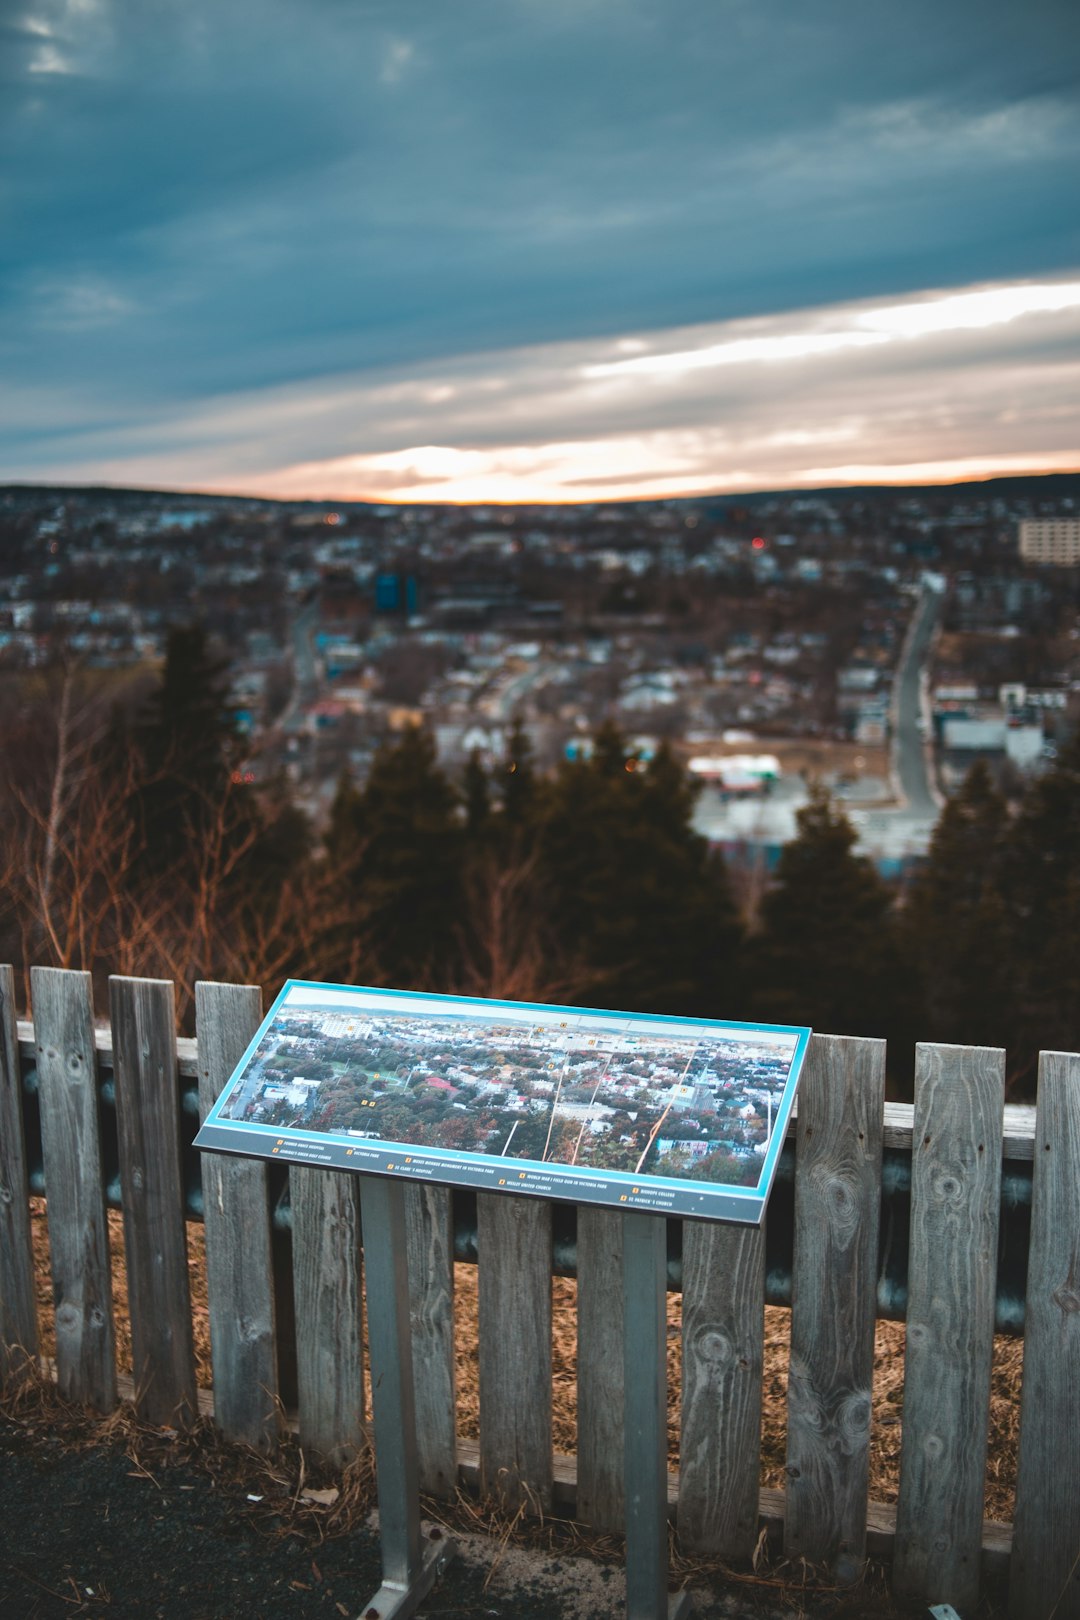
(1038, 486)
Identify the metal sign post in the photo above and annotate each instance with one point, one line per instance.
(712, 1093)
(645, 1420)
(411, 1562)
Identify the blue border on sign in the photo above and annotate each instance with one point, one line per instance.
(217, 1134)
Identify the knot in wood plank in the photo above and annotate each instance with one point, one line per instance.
(840, 1192)
(853, 1421)
(714, 1347)
(67, 1317)
(920, 1335)
(839, 1417)
(947, 1188)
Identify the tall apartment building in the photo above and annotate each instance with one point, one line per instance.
(1051, 540)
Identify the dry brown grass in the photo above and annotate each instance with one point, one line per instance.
(888, 1371)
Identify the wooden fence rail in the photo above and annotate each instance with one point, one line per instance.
(303, 1333)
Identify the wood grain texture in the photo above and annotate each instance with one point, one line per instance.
(236, 1216)
(1045, 1576)
(18, 1309)
(329, 1311)
(71, 1152)
(514, 1241)
(723, 1356)
(600, 1494)
(955, 1205)
(430, 1254)
(187, 1060)
(837, 1203)
(645, 1413)
(143, 1017)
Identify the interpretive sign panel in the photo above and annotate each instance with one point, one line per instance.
(682, 1116)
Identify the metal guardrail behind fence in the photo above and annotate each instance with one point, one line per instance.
(892, 1276)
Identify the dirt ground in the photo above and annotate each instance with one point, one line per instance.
(107, 1516)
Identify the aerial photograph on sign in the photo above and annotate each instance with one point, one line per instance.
(575, 1102)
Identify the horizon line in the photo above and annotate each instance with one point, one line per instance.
(841, 486)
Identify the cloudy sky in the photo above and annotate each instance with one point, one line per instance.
(537, 249)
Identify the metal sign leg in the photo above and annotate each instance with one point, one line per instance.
(645, 1420)
(411, 1562)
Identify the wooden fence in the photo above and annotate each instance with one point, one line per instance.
(958, 1134)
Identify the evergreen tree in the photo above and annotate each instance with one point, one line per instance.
(408, 866)
(519, 781)
(827, 953)
(476, 791)
(187, 745)
(642, 908)
(955, 920)
(1041, 886)
(280, 849)
(610, 755)
(343, 838)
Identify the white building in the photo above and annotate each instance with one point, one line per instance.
(1022, 744)
(337, 1024)
(1051, 540)
(296, 1093)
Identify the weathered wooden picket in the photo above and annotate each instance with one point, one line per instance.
(958, 1133)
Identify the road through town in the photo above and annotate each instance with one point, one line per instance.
(890, 834)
